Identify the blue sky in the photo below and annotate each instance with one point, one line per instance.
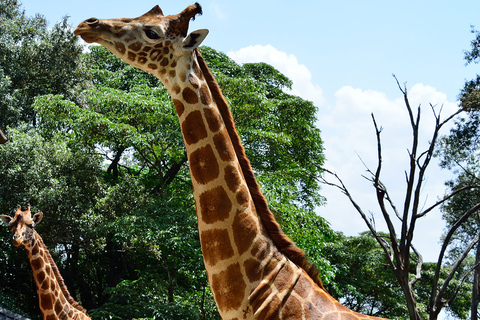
(341, 55)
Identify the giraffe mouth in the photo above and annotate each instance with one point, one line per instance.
(87, 36)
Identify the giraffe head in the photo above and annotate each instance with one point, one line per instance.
(150, 42)
(22, 225)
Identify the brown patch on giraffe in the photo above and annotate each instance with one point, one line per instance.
(131, 56)
(142, 60)
(243, 197)
(46, 302)
(172, 73)
(203, 165)
(37, 263)
(216, 246)
(189, 96)
(45, 285)
(197, 71)
(120, 47)
(136, 46)
(152, 66)
(291, 309)
(213, 118)
(52, 317)
(193, 128)
(164, 62)
(160, 45)
(232, 178)
(272, 311)
(174, 64)
(205, 95)
(147, 48)
(260, 249)
(58, 307)
(178, 106)
(182, 76)
(253, 269)
(193, 81)
(215, 205)
(35, 250)
(154, 54)
(41, 276)
(176, 88)
(260, 293)
(224, 146)
(283, 278)
(244, 230)
(229, 288)
(162, 72)
(166, 50)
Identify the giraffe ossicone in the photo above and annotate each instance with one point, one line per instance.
(54, 299)
(254, 270)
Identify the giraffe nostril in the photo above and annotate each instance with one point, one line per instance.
(93, 21)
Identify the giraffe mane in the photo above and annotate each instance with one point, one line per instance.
(58, 276)
(280, 239)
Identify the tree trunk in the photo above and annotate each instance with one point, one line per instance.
(3, 138)
(474, 309)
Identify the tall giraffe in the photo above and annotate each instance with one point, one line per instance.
(254, 270)
(54, 299)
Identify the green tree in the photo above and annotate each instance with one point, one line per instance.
(460, 152)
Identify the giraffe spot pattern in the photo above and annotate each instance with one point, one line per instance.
(41, 276)
(35, 250)
(152, 66)
(203, 165)
(193, 81)
(131, 56)
(189, 96)
(216, 246)
(260, 249)
(37, 263)
(172, 73)
(213, 118)
(46, 301)
(135, 46)
(142, 60)
(224, 146)
(283, 278)
(232, 178)
(176, 88)
(291, 308)
(155, 54)
(205, 96)
(253, 269)
(243, 196)
(215, 205)
(193, 128)
(244, 230)
(182, 76)
(178, 106)
(164, 62)
(197, 71)
(229, 288)
(120, 47)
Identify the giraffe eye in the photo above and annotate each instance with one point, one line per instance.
(152, 34)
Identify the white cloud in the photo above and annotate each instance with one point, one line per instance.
(288, 65)
(218, 11)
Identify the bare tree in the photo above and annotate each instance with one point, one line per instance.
(3, 138)
(398, 246)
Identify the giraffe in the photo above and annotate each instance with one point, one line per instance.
(254, 270)
(54, 299)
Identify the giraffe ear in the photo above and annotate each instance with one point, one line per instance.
(194, 39)
(37, 218)
(6, 219)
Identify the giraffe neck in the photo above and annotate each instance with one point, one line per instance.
(54, 298)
